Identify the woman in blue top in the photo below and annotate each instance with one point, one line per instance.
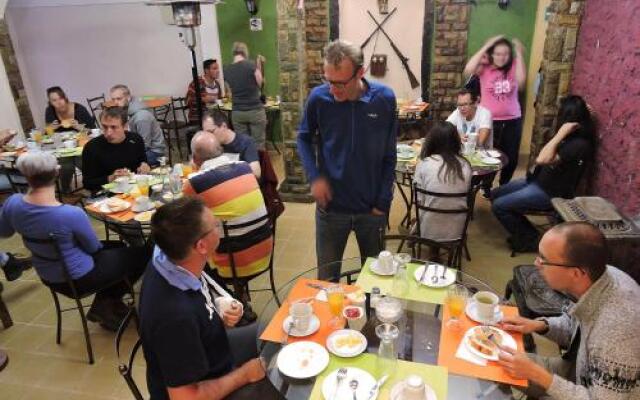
(92, 265)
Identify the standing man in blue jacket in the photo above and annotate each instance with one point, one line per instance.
(347, 143)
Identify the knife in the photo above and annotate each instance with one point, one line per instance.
(377, 386)
(316, 286)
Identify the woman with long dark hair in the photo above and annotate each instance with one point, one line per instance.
(64, 114)
(559, 167)
(500, 67)
(442, 169)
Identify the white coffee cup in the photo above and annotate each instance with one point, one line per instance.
(122, 183)
(413, 388)
(225, 304)
(301, 314)
(385, 261)
(142, 202)
(486, 304)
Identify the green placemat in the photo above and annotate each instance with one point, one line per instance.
(434, 376)
(75, 152)
(476, 161)
(368, 280)
(152, 181)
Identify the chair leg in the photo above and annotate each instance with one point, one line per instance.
(437, 310)
(85, 328)
(6, 317)
(466, 252)
(58, 315)
(273, 286)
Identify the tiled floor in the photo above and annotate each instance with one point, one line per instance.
(39, 368)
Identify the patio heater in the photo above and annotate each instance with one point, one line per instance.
(186, 15)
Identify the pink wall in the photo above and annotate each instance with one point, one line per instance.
(607, 75)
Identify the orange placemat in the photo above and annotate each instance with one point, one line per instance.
(122, 216)
(450, 340)
(274, 331)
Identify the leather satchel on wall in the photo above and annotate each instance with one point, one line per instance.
(378, 65)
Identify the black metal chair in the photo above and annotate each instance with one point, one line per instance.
(457, 245)
(180, 122)
(52, 241)
(231, 247)
(95, 106)
(126, 367)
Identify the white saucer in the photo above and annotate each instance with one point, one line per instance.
(374, 268)
(493, 153)
(490, 160)
(472, 312)
(314, 325)
(396, 392)
(118, 191)
(450, 275)
(346, 351)
(137, 209)
(365, 382)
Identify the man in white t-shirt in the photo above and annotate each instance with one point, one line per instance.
(471, 117)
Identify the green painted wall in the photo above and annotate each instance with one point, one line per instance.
(488, 20)
(233, 26)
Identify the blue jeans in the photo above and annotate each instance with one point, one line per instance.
(332, 232)
(152, 158)
(510, 201)
(506, 137)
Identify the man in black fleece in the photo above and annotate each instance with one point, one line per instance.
(116, 153)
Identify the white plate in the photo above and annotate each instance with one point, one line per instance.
(490, 160)
(346, 351)
(493, 153)
(507, 341)
(450, 275)
(396, 392)
(472, 312)
(365, 382)
(314, 325)
(374, 268)
(104, 208)
(302, 360)
(118, 191)
(144, 216)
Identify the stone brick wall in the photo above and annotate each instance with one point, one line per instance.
(15, 79)
(607, 74)
(557, 66)
(450, 51)
(301, 37)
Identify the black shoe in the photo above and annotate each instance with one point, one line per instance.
(524, 244)
(101, 314)
(14, 267)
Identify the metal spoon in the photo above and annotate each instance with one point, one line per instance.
(353, 384)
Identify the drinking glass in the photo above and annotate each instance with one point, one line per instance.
(143, 185)
(455, 302)
(387, 352)
(187, 169)
(335, 298)
(175, 182)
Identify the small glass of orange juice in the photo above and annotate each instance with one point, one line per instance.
(335, 298)
(455, 302)
(143, 185)
(187, 169)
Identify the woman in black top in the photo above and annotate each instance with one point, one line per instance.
(559, 167)
(64, 114)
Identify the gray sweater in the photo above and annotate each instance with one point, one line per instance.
(144, 123)
(608, 360)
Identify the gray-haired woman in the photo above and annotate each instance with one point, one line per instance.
(92, 266)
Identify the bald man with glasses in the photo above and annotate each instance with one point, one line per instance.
(600, 329)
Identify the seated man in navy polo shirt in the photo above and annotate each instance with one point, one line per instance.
(184, 338)
(232, 142)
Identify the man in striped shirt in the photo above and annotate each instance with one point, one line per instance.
(231, 191)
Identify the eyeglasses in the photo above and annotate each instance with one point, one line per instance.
(540, 260)
(217, 228)
(341, 84)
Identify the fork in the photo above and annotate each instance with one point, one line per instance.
(424, 273)
(288, 332)
(342, 373)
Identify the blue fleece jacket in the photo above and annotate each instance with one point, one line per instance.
(356, 147)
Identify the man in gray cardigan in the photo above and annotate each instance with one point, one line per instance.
(602, 326)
